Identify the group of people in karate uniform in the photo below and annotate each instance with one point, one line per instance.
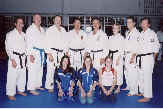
(79, 62)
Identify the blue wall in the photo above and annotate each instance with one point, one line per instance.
(73, 6)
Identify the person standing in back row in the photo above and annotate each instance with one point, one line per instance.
(96, 45)
(35, 36)
(56, 48)
(16, 51)
(149, 47)
(76, 44)
(131, 49)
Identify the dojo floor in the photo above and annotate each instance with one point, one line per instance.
(46, 100)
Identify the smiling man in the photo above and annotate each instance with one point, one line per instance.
(16, 50)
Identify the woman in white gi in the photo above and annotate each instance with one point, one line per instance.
(116, 52)
(35, 35)
(149, 47)
(96, 44)
(56, 48)
(131, 49)
(76, 44)
(16, 50)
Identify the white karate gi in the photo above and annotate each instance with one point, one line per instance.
(115, 44)
(149, 44)
(131, 47)
(97, 47)
(16, 77)
(56, 45)
(76, 47)
(35, 41)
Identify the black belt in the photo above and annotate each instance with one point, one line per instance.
(58, 50)
(20, 57)
(111, 53)
(78, 50)
(95, 51)
(140, 56)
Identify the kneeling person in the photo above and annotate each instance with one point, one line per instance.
(65, 77)
(87, 81)
(107, 80)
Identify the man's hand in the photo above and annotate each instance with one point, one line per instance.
(13, 63)
(51, 59)
(67, 54)
(32, 59)
(102, 61)
(86, 54)
(132, 58)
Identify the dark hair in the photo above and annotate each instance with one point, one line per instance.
(95, 18)
(17, 18)
(75, 19)
(107, 57)
(87, 57)
(56, 16)
(116, 23)
(132, 18)
(68, 69)
(146, 18)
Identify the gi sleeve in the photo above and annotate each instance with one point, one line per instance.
(56, 76)
(29, 41)
(104, 42)
(155, 43)
(9, 46)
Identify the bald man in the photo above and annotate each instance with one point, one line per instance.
(35, 51)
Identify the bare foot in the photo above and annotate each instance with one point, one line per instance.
(144, 100)
(12, 98)
(39, 88)
(33, 92)
(50, 90)
(139, 94)
(22, 93)
(130, 95)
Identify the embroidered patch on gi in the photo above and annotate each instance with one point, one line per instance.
(152, 40)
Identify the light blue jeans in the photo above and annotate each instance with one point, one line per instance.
(84, 100)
